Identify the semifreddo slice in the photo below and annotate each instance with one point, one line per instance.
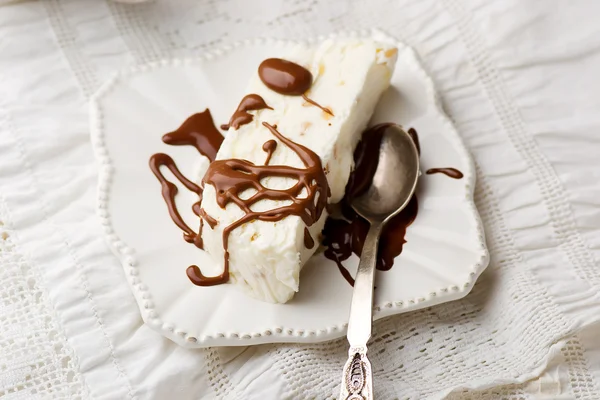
(288, 152)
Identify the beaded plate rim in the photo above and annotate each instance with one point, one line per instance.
(128, 260)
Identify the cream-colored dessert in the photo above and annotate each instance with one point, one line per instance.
(265, 257)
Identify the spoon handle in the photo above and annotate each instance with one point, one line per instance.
(357, 382)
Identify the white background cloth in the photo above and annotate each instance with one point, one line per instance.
(519, 80)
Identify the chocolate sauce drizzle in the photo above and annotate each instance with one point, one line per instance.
(209, 220)
(198, 131)
(314, 103)
(415, 137)
(241, 116)
(451, 172)
(269, 147)
(345, 236)
(169, 191)
(309, 242)
(232, 177)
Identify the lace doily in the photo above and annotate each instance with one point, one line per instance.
(35, 357)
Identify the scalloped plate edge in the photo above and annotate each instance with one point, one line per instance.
(277, 333)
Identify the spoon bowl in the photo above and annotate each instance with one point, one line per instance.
(395, 177)
(393, 183)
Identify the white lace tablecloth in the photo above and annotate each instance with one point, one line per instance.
(519, 80)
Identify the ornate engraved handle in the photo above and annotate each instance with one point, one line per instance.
(357, 381)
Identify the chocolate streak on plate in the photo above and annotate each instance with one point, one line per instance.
(169, 191)
(415, 137)
(198, 131)
(451, 172)
(232, 177)
(241, 116)
(342, 237)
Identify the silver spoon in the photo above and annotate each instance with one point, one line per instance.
(393, 185)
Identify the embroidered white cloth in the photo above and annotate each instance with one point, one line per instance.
(519, 79)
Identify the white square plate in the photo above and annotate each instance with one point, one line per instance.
(445, 250)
